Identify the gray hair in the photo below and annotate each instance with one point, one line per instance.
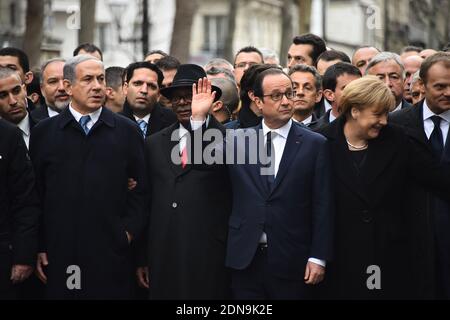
(230, 96)
(46, 64)
(384, 57)
(308, 69)
(270, 54)
(218, 63)
(6, 72)
(415, 78)
(72, 63)
(227, 73)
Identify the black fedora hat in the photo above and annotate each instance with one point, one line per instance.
(186, 76)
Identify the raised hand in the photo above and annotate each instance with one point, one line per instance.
(202, 99)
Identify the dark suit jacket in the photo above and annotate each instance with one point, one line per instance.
(40, 113)
(372, 218)
(297, 214)
(319, 108)
(187, 231)
(160, 118)
(19, 207)
(322, 122)
(424, 228)
(82, 181)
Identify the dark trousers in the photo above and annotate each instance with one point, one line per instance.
(257, 282)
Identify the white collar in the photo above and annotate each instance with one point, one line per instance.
(146, 118)
(51, 113)
(282, 131)
(24, 125)
(427, 113)
(94, 115)
(307, 120)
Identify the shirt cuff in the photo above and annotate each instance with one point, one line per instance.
(195, 124)
(322, 263)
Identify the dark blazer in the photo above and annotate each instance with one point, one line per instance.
(322, 122)
(82, 181)
(187, 231)
(427, 223)
(372, 218)
(160, 118)
(19, 205)
(40, 113)
(406, 104)
(319, 108)
(296, 214)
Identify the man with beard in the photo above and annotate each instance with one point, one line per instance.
(52, 88)
(142, 91)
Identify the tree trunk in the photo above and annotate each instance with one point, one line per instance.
(286, 30)
(304, 7)
(87, 21)
(34, 31)
(232, 13)
(181, 36)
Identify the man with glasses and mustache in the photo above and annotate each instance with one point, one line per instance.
(189, 209)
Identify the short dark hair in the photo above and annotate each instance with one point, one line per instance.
(308, 69)
(249, 49)
(411, 49)
(147, 65)
(316, 42)
(114, 77)
(330, 77)
(34, 86)
(168, 63)
(248, 80)
(331, 55)
(88, 47)
(258, 86)
(156, 51)
(443, 57)
(19, 54)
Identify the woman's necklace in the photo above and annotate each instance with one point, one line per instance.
(357, 147)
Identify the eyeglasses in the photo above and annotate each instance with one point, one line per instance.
(177, 100)
(242, 65)
(277, 96)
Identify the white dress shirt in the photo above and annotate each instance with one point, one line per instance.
(24, 126)
(94, 116)
(308, 120)
(332, 117)
(429, 125)
(327, 105)
(146, 118)
(52, 113)
(279, 142)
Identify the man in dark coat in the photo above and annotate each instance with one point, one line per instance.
(19, 211)
(190, 206)
(142, 90)
(431, 216)
(83, 159)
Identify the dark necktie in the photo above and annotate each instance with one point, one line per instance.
(270, 152)
(436, 138)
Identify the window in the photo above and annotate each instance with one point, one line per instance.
(215, 29)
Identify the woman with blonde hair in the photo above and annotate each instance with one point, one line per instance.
(372, 163)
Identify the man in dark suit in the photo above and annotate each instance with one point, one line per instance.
(17, 60)
(19, 211)
(428, 121)
(52, 88)
(336, 78)
(13, 102)
(308, 87)
(83, 159)
(190, 206)
(281, 227)
(390, 69)
(142, 90)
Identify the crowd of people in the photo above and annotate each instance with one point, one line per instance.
(330, 176)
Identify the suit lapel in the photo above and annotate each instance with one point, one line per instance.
(293, 143)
